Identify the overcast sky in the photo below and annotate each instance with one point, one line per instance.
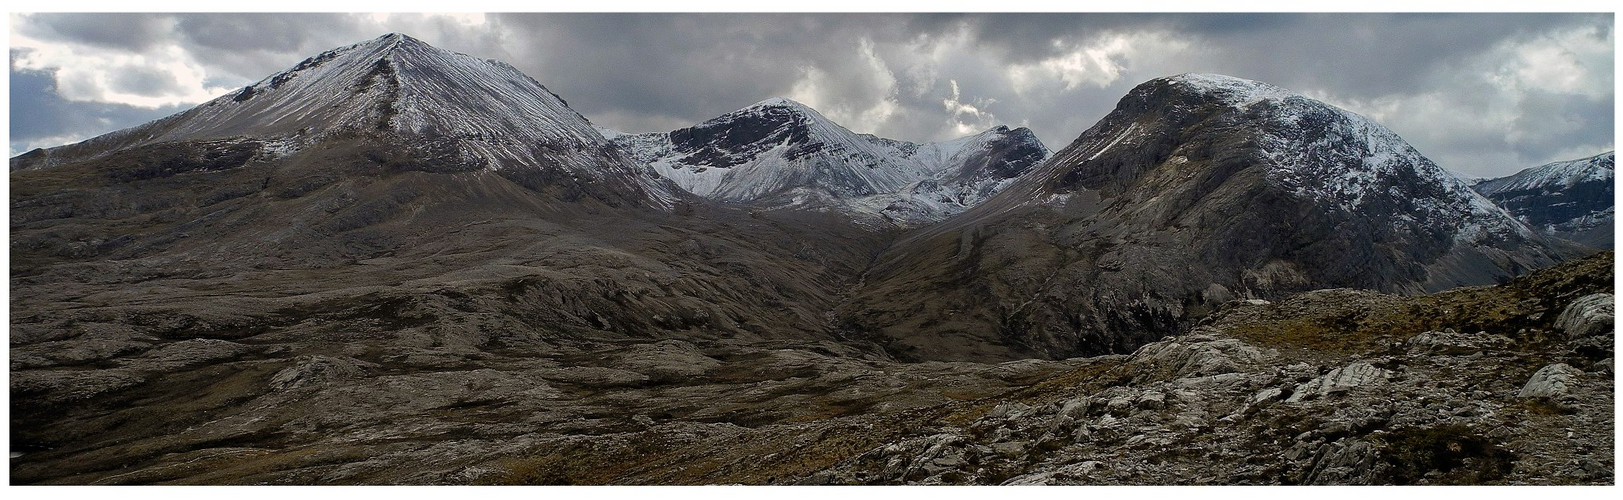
(1481, 94)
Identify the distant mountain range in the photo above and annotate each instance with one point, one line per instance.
(1196, 189)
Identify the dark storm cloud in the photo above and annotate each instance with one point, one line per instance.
(251, 46)
(1550, 124)
(682, 66)
(1437, 79)
(114, 31)
(263, 32)
(1363, 55)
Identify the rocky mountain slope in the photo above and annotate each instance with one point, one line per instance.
(1195, 190)
(1567, 199)
(782, 154)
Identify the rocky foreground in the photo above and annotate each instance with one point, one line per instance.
(1509, 384)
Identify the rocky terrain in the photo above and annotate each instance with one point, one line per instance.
(397, 264)
(1509, 384)
(1566, 199)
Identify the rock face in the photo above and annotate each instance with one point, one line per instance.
(1194, 190)
(779, 153)
(1568, 199)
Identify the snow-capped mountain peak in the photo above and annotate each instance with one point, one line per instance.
(393, 83)
(454, 108)
(1569, 199)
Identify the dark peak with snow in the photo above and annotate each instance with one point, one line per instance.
(739, 136)
(1569, 199)
(1223, 88)
(1193, 148)
(391, 84)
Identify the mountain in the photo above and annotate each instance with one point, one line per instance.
(780, 153)
(1567, 199)
(445, 111)
(1195, 190)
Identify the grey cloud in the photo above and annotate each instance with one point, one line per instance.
(146, 81)
(1548, 124)
(37, 113)
(119, 31)
(277, 33)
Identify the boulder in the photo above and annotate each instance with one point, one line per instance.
(1201, 353)
(1590, 315)
(1340, 380)
(1343, 463)
(1552, 381)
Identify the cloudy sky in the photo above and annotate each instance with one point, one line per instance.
(1481, 94)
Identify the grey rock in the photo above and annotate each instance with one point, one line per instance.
(187, 353)
(1010, 449)
(1151, 400)
(1346, 462)
(1119, 406)
(1590, 315)
(1269, 394)
(1076, 408)
(1454, 343)
(1552, 381)
(667, 360)
(1342, 379)
(58, 386)
(1005, 411)
(1196, 355)
(318, 370)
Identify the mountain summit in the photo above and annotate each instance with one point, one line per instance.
(779, 153)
